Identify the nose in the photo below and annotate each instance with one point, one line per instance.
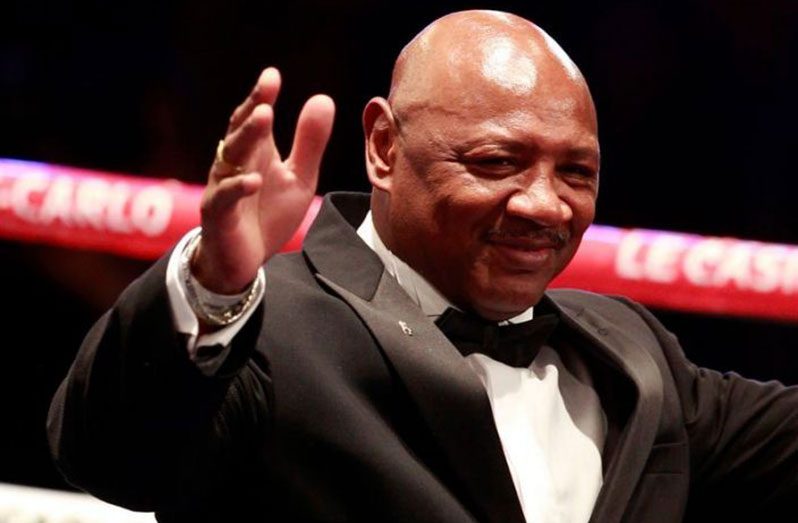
(538, 200)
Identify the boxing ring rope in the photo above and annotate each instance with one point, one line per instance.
(142, 218)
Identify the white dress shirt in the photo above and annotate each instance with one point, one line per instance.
(548, 416)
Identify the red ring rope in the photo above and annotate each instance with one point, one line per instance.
(142, 218)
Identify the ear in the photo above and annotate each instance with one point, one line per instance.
(380, 129)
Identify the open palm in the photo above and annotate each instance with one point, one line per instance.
(255, 199)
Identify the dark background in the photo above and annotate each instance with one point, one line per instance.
(695, 99)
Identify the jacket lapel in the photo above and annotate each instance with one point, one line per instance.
(627, 357)
(447, 393)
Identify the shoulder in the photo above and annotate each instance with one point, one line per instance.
(618, 320)
(292, 291)
(576, 299)
(616, 310)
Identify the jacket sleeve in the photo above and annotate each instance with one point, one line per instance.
(743, 435)
(136, 423)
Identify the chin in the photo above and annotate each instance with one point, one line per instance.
(505, 305)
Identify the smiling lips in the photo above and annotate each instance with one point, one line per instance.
(527, 251)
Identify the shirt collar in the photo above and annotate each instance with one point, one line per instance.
(432, 302)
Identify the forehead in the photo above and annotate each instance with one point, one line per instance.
(501, 77)
(488, 111)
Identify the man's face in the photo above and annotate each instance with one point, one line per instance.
(492, 188)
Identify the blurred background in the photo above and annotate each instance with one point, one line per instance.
(696, 103)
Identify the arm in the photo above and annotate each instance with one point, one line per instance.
(135, 422)
(743, 434)
(185, 319)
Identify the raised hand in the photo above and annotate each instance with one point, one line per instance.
(255, 200)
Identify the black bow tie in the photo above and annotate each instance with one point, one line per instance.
(515, 344)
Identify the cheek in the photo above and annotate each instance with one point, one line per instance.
(470, 200)
(463, 215)
(583, 206)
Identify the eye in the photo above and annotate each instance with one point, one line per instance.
(492, 165)
(498, 161)
(579, 170)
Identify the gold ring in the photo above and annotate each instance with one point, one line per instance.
(237, 169)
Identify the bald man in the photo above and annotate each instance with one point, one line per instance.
(409, 364)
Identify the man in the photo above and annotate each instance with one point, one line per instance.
(327, 387)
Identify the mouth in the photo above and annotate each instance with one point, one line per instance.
(523, 256)
(527, 252)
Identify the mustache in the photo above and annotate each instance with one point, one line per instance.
(554, 237)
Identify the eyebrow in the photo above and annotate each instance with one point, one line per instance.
(573, 153)
(584, 153)
(507, 140)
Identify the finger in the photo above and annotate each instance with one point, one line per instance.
(265, 92)
(313, 130)
(253, 136)
(229, 191)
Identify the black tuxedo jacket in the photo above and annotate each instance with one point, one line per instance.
(327, 408)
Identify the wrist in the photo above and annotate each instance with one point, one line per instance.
(211, 275)
(213, 308)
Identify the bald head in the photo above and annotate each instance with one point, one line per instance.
(462, 51)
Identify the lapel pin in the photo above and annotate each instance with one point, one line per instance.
(405, 328)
